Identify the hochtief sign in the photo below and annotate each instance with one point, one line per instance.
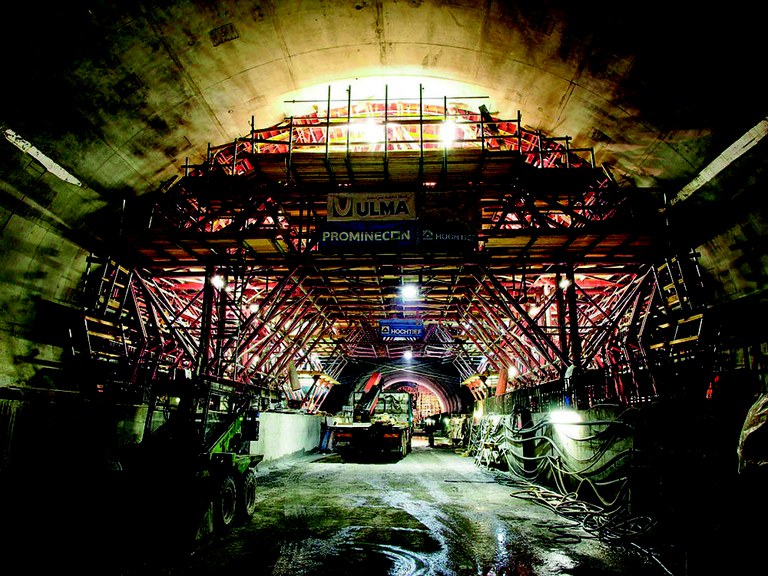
(429, 236)
(401, 328)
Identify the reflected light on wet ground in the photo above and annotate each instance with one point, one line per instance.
(433, 512)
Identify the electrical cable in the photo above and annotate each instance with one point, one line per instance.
(607, 520)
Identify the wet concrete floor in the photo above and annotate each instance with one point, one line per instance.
(432, 513)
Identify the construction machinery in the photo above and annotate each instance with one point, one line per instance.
(374, 424)
(197, 448)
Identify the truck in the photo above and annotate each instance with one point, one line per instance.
(374, 424)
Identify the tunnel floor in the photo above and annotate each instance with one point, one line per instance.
(434, 512)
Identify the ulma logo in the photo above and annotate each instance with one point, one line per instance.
(393, 206)
(341, 206)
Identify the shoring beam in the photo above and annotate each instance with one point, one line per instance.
(509, 338)
(296, 344)
(485, 341)
(160, 305)
(632, 293)
(264, 351)
(530, 329)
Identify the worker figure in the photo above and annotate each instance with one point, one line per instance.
(429, 427)
(455, 431)
(447, 427)
(466, 430)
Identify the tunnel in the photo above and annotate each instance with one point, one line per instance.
(400, 287)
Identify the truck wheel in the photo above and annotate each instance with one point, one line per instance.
(246, 501)
(225, 503)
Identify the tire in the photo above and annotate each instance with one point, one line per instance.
(246, 495)
(225, 503)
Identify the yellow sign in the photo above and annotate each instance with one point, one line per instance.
(371, 207)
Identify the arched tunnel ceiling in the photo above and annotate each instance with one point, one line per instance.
(122, 97)
(123, 94)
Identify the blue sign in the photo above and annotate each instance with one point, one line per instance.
(356, 236)
(401, 328)
(432, 236)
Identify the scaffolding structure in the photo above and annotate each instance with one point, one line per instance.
(529, 257)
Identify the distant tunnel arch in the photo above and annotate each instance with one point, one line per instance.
(449, 402)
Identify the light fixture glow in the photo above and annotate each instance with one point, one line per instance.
(726, 158)
(409, 291)
(371, 132)
(448, 132)
(408, 354)
(47, 162)
(477, 415)
(567, 425)
(564, 283)
(564, 417)
(218, 282)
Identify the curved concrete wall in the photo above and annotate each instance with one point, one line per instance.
(44, 232)
(285, 434)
